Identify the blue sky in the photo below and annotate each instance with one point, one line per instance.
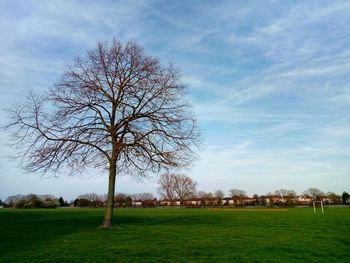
(269, 82)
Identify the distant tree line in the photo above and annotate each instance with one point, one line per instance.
(194, 198)
(236, 198)
(32, 201)
(120, 200)
(181, 190)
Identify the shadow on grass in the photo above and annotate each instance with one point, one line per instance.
(21, 229)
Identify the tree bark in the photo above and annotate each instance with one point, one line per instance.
(107, 222)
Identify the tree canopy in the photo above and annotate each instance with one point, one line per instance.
(115, 108)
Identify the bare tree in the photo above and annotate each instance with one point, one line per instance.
(315, 193)
(289, 196)
(206, 197)
(203, 194)
(121, 199)
(237, 195)
(185, 187)
(285, 192)
(91, 197)
(256, 199)
(117, 108)
(147, 199)
(143, 196)
(172, 186)
(333, 198)
(166, 187)
(13, 199)
(219, 194)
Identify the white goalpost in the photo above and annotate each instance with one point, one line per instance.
(314, 205)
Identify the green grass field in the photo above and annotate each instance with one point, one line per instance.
(175, 235)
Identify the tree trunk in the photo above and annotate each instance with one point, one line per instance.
(107, 222)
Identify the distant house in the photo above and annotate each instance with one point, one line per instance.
(168, 202)
(136, 203)
(276, 199)
(238, 201)
(247, 200)
(194, 202)
(165, 202)
(304, 200)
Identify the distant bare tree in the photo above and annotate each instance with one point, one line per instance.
(185, 187)
(219, 194)
(256, 199)
(94, 200)
(285, 192)
(143, 196)
(315, 193)
(204, 195)
(334, 198)
(172, 186)
(121, 199)
(166, 187)
(237, 195)
(91, 197)
(117, 108)
(147, 199)
(288, 195)
(13, 199)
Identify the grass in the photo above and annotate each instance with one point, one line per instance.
(175, 235)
